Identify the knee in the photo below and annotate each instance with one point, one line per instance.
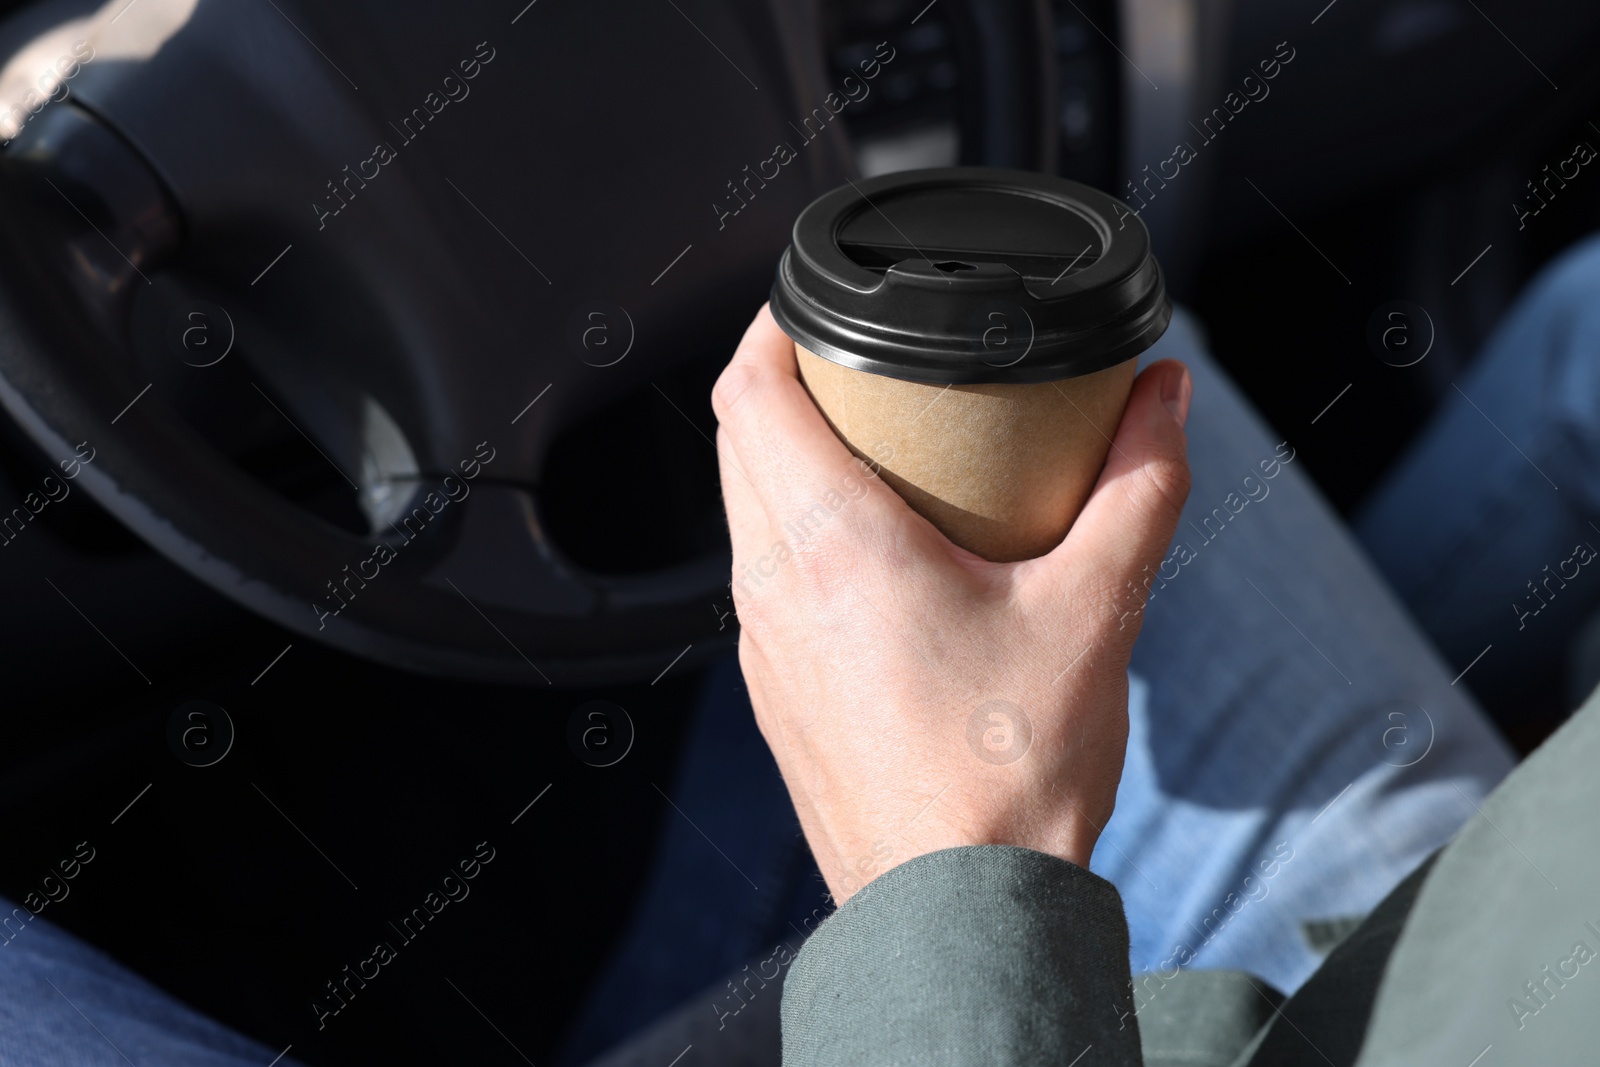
(1560, 328)
(1570, 281)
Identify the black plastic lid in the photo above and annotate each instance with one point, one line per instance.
(965, 275)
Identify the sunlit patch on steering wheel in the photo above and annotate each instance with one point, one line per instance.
(388, 476)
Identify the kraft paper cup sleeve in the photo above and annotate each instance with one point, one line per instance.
(1002, 470)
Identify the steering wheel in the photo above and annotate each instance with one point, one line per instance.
(308, 294)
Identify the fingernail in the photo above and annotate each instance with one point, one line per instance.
(1176, 389)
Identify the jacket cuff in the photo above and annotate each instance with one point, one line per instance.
(983, 954)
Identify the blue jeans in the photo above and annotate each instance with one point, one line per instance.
(1297, 745)
(1477, 526)
(64, 1003)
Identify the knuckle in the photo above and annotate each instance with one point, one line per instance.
(736, 382)
(1169, 480)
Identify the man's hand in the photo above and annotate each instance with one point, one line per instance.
(917, 697)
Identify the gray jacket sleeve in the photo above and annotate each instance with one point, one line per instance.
(984, 954)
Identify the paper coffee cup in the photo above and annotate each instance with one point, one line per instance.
(971, 332)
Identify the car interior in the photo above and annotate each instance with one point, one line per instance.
(266, 348)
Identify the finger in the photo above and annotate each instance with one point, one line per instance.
(1127, 524)
(776, 434)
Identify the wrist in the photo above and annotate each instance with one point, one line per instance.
(1073, 842)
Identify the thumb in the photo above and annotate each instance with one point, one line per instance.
(1133, 511)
